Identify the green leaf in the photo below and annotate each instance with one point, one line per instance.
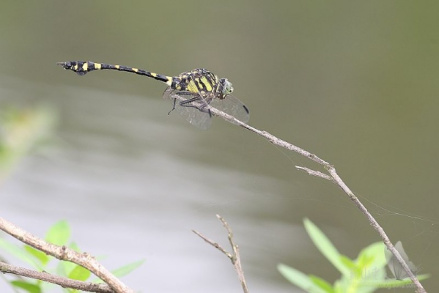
(371, 262)
(354, 276)
(41, 256)
(326, 248)
(64, 268)
(31, 288)
(366, 271)
(126, 269)
(393, 283)
(372, 256)
(74, 246)
(79, 273)
(299, 279)
(22, 129)
(19, 253)
(321, 283)
(347, 262)
(59, 233)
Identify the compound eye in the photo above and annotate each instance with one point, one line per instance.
(228, 88)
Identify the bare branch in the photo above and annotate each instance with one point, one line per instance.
(377, 227)
(236, 260)
(234, 257)
(61, 281)
(63, 253)
(333, 176)
(213, 243)
(315, 173)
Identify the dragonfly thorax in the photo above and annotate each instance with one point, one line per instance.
(203, 82)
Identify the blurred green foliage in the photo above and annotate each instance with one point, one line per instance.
(58, 234)
(365, 274)
(20, 131)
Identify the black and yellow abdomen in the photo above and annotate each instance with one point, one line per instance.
(82, 67)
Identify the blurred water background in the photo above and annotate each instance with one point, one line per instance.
(354, 82)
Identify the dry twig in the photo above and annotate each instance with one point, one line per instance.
(63, 253)
(61, 281)
(234, 257)
(331, 176)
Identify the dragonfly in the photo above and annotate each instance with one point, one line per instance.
(192, 93)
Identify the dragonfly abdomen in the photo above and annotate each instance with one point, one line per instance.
(83, 67)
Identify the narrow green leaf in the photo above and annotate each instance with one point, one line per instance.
(74, 246)
(393, 283)
(372, 256)
(367, 270)
(79, 273)
(371, 262)
(41, 256)
(325, 246)
(18, 252)
(355, 271)
(62, 269)
(59, 233)
(348, 262)
(125, 270)
(299, 279)
(321, 283)
(31, 288)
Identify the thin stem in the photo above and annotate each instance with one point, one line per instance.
(63, 253)
(333, 177)
(61, 281)
(234, 257)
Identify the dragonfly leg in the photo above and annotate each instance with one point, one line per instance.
(195, 101)
(175, 100)
(173, 106)
(201, 107)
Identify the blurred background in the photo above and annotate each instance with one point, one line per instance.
(354, 82)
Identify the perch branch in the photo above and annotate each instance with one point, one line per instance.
(333, 177)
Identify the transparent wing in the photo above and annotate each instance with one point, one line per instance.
(232, 106)
(193, 108)
(190, 107)
(395, 267)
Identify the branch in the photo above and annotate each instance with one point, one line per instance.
(315, 173)
(331, 176)
(61, 281)
(234, 257)
(63, 253)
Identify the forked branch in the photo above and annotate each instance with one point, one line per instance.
(234, 257)
(333, 177)
(63, 253)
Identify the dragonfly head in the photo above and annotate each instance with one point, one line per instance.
(225, 87)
